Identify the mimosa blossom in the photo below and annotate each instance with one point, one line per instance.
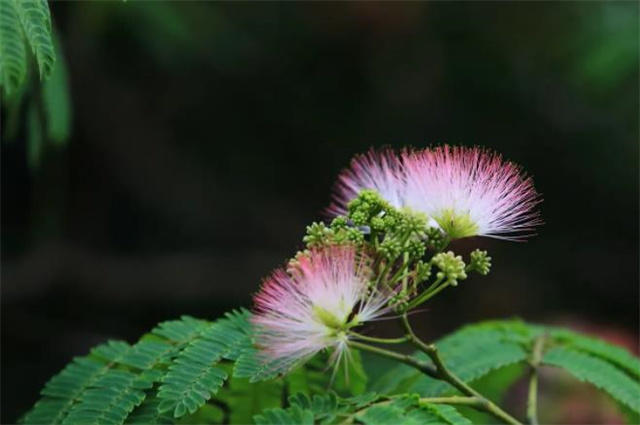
(466, 191)
(311, 308)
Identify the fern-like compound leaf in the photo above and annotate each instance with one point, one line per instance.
(62, 392)
(193, 378)
(36, 23)
(409, 411)
(56, 100)
(146, 354)
(291, 416)
(382, 415)
(598, 348)
(447, 413)
(598, 372)
(13, 62)
(111, 398)
(244, 399)
(173, 371)
(471, 363)
(471, 353)
(148, 413)
(180, 331)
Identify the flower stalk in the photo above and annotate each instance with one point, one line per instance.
(534, 362)
(444, 374)
(471, 397)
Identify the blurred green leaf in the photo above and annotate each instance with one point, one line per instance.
(56, 100)
(35, 140)
(13, 66)
(36, 22)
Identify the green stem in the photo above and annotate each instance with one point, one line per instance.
(532, 400)
(444, 374)
(398, 275)
(383, 273)
(456, 399)
(379, 340)
(405, 264)
(423, 367)
(426, 295)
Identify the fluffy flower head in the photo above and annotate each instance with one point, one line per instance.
(377, 170)
(313, 306)
(464, 191)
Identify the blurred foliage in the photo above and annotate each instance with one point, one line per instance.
(24, 22)
(39, 99)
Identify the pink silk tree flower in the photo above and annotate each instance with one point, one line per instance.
(377, 170)
(464, 191)
(313, 307)
(471, 192)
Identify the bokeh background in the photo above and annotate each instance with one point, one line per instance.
(206, 136)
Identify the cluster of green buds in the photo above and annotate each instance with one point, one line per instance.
(480, 262)
(404, 249)
(452, 267)
(337, 233)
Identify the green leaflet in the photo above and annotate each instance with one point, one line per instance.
(108, 384)
(24, 22)
(180, 331)
(369, 409)
(292, 416)
(447, 413)
(36, 22)
(193, 377)
(146, 354)
(56, 100)
(315, 376)
(316, 409)
(111, 398)
(598, 372)
(382, 415)
(13, 59)
(471, 352)
(62, 392)
(494, 386)
(148, 413)
(245, 399)
(471, 363)
(475, 351)
(614, 354)
(409, 410)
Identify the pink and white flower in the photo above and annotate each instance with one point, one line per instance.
(377, 170)
(311, 308)
(466, 191)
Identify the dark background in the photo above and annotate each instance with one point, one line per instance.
(206, 136)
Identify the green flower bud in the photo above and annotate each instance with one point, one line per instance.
(353, 235)
(317, 234)
(412, 221)
(390, 248)
(416, 248)
(452, 267)
(377, 224)
(436, 239)
(390, 221)
(423, 271)
(480, 262)
(359, 217)
(339, 222)
(366, 208)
